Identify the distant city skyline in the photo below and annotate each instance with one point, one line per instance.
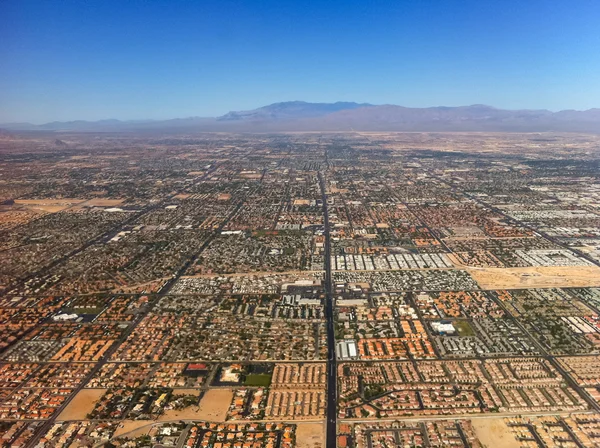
(74, 60)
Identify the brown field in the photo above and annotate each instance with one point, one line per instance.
(213, 407)
(536, 277)
(136, 427)
(148, 287)
(101, 202)
(191, 413)
(310, 435)
(49, 205)
(493, 433)
(81, 405)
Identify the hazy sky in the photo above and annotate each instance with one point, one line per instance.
(127, 59)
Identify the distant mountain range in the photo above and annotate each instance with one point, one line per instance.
(345, 116)
(291, 110)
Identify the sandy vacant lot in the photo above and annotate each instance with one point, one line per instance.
(148, 287)
(136, 427)
(81, 405)
(213, 405)
(536, 277)
(310, 435)
(48, 205)
(102, 202)
(494, 433)
(189, 413)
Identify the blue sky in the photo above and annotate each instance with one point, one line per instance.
(133, 59)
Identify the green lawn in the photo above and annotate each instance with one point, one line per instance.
(463, 328)
(262, 380)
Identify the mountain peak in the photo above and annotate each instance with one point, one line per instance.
(344, 116)
(288, 110)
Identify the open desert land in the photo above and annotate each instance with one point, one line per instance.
(213, 406)
(147, 287)
(493, 433)
(49, 205)
(133, 428)
(310, 435)
(189, 413)
(536, 277)
(81, 405)
(102, 202)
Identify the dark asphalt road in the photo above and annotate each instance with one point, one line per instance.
(331, 357)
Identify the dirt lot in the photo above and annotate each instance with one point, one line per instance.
(139, 427)
(48, 205)
(494, 433)
(213, 407)
(310, 435)
(149, 287)
(536, 277)
(102, 202)
(81, 405)
(192, 412)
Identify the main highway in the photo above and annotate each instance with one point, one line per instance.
(331, 425)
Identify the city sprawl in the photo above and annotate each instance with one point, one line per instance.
(358, 290)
